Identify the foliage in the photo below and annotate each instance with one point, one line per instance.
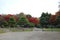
(44, 19)
(28, 16)
(12, 22)
(23, 21)
(52, 19)
(33, 20)
(31, 25)
(58, 19)
(5, 23)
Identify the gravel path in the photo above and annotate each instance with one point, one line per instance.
(34, 35)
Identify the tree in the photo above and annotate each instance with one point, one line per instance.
(12, 22)
(31, 25)
(33, 20)
(44, 19)
(58, 19)
(5, 23)
(21, 14)
(28, 16)
(7, 17)
(23, 21)
(52, 20)
(1, 21)
(43, 14)
(15, 17)
(58, 22)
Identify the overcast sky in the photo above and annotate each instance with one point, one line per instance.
(33, 7)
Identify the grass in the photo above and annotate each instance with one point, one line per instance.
(52, 29)
(27, 29)
(1, 31)
(23, 30)
(16, 30)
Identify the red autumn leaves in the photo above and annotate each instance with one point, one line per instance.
(52, 19)
(33, 20)
(9, 15)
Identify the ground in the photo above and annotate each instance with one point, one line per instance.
(33, 35)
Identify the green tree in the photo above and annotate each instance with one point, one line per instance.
(58, 19)
(43, 14)
(12, 22)
(44, 19)
(58, 22)
(23, 21)
(1, 21)
(28, 16)
(31, 25)
(20, 14)
(5, 23)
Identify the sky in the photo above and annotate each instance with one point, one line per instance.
(32, 7)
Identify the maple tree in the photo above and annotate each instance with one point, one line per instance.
(33, 20)
(52, 19)
(7, 17)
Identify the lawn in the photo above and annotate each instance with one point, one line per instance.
(1, 31)
(22, 30)
(52, 29)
